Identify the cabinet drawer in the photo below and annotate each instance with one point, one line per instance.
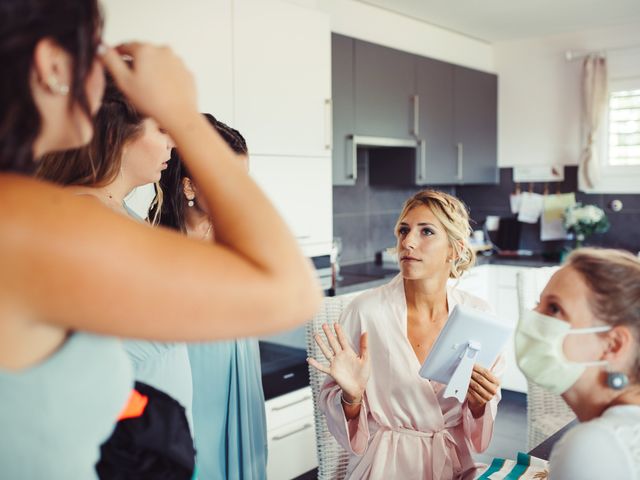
(288, 408)
(292, 450)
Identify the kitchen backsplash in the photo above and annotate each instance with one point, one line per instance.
(486, 200)
(364, 216)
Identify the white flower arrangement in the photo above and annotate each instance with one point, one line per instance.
(585, 220)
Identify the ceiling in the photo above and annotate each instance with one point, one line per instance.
(499, 20)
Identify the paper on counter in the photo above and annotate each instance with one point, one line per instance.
(514, 200)
(530, 207)
(551, 224)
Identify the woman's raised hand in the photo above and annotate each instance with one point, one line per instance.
(350, 370)
(156, 81)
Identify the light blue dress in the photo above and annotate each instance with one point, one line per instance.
(163, 365)
(228, 410)
(55, 415)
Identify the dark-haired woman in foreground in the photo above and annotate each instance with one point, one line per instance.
(63, 258)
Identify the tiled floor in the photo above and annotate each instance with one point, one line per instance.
(510, 431)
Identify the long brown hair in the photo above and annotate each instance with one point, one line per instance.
(75, 25)
(613, 277)
(97, 164)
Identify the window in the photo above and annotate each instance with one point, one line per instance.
(624, 128)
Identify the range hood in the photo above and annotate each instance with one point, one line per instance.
(392, 161)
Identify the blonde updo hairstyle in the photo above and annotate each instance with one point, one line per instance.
(454, 216)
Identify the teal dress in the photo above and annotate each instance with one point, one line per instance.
(228, 410)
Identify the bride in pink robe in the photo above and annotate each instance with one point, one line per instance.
(394, 423)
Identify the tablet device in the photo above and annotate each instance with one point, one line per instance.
(470, 336)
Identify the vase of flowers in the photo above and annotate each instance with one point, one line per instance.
(583, 221)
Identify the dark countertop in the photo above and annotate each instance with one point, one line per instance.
(361, 276)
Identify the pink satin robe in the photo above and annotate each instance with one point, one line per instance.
(406, 429)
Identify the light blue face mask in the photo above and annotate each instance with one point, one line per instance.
(539, 352)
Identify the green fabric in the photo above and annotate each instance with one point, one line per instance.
(495, 466)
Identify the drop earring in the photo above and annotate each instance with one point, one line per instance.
(617, 380)
(190, 203)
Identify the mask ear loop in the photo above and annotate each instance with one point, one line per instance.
(599, 329)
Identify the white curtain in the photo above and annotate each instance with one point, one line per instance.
(595, 97)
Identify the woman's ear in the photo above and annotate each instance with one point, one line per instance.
(52, 67)
(620, 346)
(188, 189)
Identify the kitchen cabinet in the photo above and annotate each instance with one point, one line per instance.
(342, 89)
(434, 92)
(291, 435)
(475, 102)
(496, 284)
(282, 78)
(384, 89)
(300, 189)
(450, 112)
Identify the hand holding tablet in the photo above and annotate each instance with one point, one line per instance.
(469, 337)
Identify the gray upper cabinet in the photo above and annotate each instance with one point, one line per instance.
(342, 88)
(475, 101)
(423, 121)
(384, 87)
(434, 90)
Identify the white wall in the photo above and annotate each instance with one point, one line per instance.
(539, 111)
(376, 25)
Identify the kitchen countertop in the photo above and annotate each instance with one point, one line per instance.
(362, 276)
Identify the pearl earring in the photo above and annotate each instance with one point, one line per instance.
(190, 203)
(56, 87)
(617, 380)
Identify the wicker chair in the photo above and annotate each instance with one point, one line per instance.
(546, 412)
(332, 458)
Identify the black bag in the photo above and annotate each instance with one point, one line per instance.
(155, 445)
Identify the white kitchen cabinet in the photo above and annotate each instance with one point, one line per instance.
(506, 307)
(496, 284)
(291, 435)
(300, 188)
(200, 31)
(282, 78)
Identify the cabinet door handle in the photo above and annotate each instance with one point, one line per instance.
(297, 430)
(422, 151)
(328, 124)
(459, 173)
(416, 115)
(290, 404)
(353, 174)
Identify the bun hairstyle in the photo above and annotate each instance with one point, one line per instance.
(454, 216)
(75, 25)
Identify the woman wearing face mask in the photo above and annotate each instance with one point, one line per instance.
(581, 341)
(64, 258)
(127, 151)
(394, 423)
(228, 401)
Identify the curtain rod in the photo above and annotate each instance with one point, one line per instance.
(571, 55)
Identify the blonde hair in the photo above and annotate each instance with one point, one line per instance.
(613, 277)
(454, 216)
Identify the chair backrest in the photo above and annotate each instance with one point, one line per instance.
(332, 458)
(546, 412)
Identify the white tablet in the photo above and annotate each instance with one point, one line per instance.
(469, 336)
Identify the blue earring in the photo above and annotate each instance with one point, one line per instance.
(617, 380)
